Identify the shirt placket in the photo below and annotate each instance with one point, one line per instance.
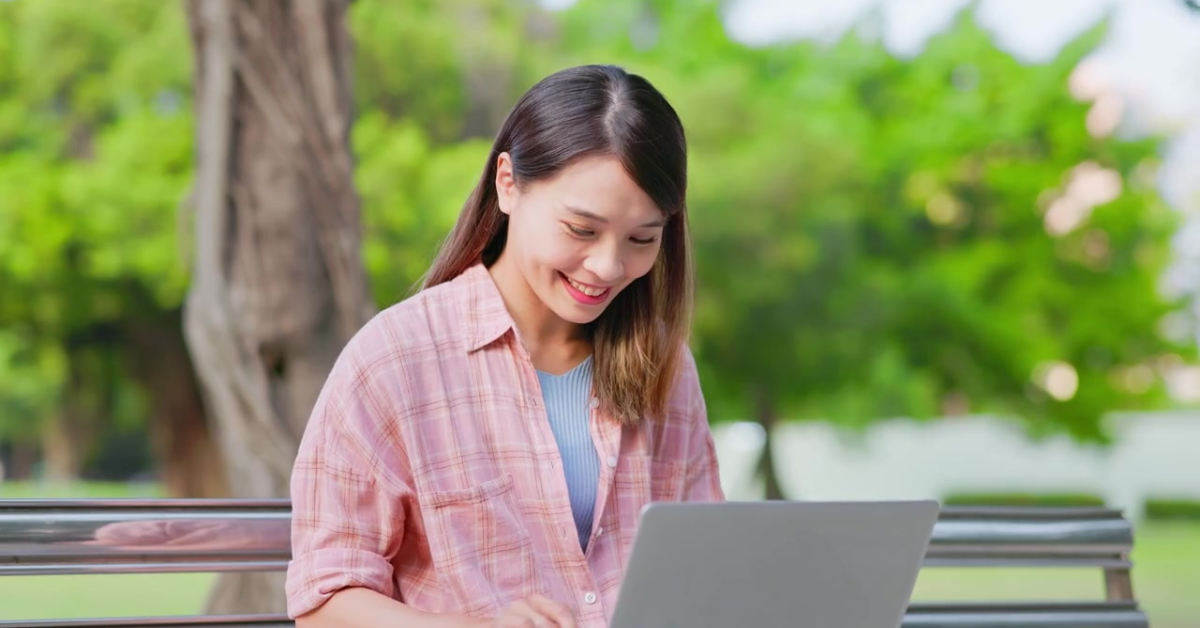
(606, 436)
(554, 484)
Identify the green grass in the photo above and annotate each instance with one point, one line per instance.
(63, 597)
(1166, 576)
(90, 490)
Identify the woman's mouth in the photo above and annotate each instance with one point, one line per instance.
(584, 293)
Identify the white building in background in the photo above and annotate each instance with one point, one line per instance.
(1154, 457)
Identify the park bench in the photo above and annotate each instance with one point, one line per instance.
(41, 537)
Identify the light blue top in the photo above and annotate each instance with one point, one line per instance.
(568, 405)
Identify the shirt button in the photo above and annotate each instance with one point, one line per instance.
(590, 598)
(595, 403)
(612, 462)
(599, 531)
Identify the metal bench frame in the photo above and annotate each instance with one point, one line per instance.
(103, 536)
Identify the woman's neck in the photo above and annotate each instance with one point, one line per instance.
(554, 345)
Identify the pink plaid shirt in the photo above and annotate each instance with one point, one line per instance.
(429, 472)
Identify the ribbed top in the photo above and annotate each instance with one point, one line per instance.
(568, 405)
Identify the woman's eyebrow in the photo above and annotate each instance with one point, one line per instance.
(583, 213)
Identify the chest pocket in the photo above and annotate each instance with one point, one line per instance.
(480, 545)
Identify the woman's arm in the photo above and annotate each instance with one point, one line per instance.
(351, 492)
(363, 608)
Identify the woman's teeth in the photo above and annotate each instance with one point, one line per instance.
(591, 292)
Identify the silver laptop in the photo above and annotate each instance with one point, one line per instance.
(774, 564)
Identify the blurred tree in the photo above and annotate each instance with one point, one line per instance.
(876, 236)
(278, 285)
(94, 153)
(435, 80)
(879, 237)
(415, 62)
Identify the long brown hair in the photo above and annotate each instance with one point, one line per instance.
(580, 112)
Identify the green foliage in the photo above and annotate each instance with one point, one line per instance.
(30, 378)
(412, 193)
(448, 66)
(870, 232)
(95, 157)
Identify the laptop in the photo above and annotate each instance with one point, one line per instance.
(774, 564)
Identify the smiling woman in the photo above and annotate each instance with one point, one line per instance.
(557, 250)
(482, 451)
(597, 154)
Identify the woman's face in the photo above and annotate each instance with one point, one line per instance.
(579, 238)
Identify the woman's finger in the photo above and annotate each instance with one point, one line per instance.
(559, 613)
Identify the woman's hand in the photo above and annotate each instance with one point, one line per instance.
(535, 611)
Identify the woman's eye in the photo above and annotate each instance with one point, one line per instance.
(583, 233)
(643, 240)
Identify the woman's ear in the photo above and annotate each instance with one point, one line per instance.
(506, 184)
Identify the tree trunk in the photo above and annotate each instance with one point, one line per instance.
(61, 455)
(766, 464)
(184, 446)
(21, 464)
(278, 284)
(70, 433)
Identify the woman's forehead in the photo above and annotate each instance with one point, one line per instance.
(599, 189)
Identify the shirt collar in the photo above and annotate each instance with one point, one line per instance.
(487, 317)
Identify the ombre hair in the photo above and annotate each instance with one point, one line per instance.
(588, 111)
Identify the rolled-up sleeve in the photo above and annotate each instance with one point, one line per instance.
(349, 486)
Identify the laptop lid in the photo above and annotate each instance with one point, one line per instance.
(774, 564)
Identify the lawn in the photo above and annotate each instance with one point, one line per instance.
(90, 490)
(1166, 579)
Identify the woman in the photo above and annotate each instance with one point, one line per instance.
(482, 450)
